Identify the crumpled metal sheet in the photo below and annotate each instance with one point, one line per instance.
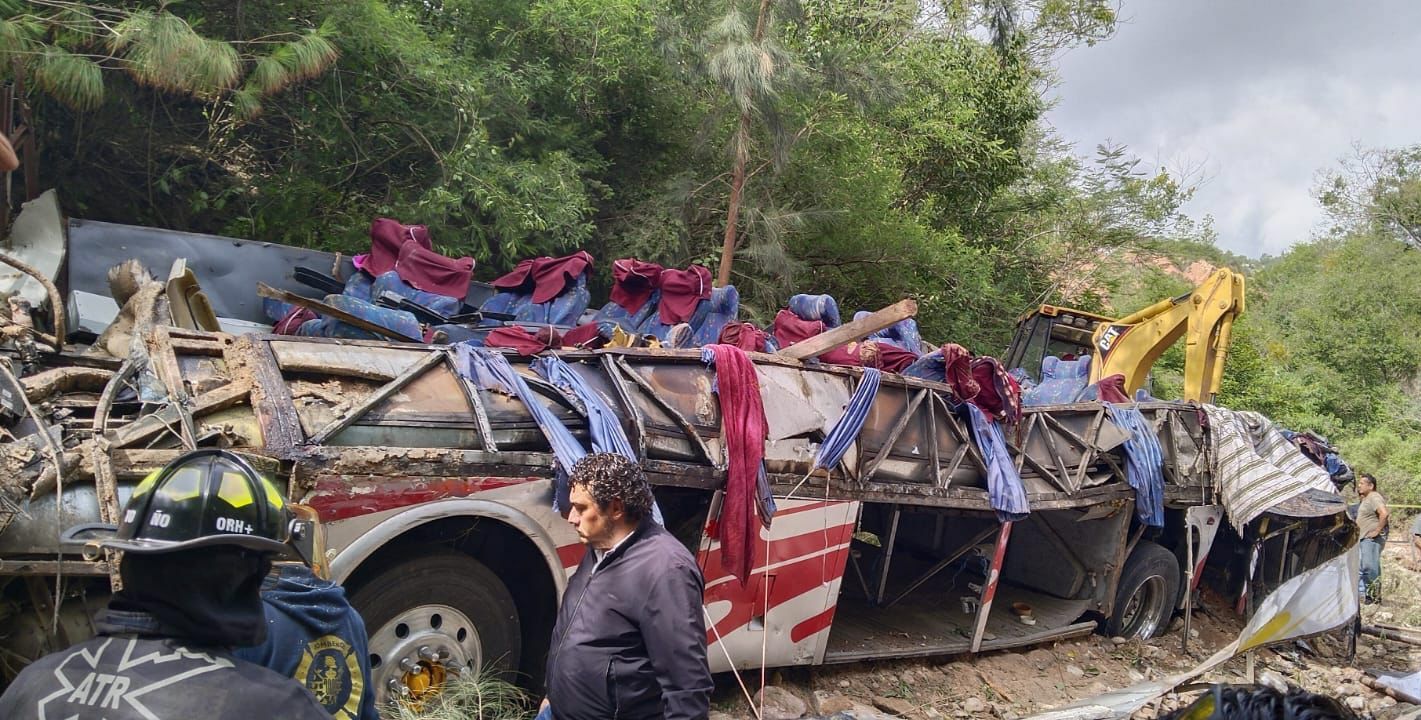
(1316, 601)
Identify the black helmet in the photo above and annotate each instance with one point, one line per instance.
(203, 498)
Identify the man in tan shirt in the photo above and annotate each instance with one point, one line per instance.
(1372, 516)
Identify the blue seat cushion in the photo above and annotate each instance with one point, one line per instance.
(816, 307)
(390, 282)
(724, 308)
(1061, 381)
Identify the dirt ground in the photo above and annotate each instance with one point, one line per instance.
(1016, 684)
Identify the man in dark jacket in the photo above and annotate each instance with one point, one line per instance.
(630, 640)
(316, 637)
(197, 540)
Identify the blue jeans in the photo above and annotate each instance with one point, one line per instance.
(1371, 549)
(545, 714)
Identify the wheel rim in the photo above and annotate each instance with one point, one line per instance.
(1145, 610)
(411, 653)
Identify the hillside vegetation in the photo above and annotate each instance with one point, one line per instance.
(872, 150)
(1331, 340)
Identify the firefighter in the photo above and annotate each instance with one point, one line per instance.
(316, 637)
(198, 537)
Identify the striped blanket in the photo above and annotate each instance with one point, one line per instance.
(1255, 467)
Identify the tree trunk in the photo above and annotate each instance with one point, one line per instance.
(737, 176)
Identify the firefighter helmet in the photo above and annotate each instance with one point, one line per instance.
(203, 498)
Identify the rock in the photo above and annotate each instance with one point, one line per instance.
(1381, 703)
(931, 713)
(842, 683)
(830, 704)
(896, 706)
(1356, 703)
(781, 704)
(1135, 676)
(864, 712)
(974, 705)
(1097, 688)
(1193, 634)
(1117, 640)
(1273, 680)
(1383, 616)
(1041, 658)
(1072, 670)
(1399, 711)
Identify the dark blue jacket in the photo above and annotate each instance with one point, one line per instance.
(630, 641)
(136, 669)
(316, 637)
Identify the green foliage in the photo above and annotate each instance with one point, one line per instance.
(1377, 190)
(66, 46)
(1394, 457)
(72, 79)
(161, 50)
(1328, 343)
(894, 148)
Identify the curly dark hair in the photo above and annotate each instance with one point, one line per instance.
(608, 477)
(1263, 703)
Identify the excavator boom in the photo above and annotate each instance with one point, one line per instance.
(1131, 345)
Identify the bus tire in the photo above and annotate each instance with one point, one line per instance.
(1146, 596)
(446, 603)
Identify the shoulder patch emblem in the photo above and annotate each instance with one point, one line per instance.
(330, 670)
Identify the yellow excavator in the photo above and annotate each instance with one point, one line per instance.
(1130, 345)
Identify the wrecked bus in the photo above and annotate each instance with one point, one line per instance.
(435, 489)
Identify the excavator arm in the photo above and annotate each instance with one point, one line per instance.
(1130, 345)
(1203, 316)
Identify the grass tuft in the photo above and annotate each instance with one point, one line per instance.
(468, 696)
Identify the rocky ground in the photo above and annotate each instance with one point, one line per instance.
(1010, 685)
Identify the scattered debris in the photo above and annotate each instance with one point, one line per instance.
(1010, 685)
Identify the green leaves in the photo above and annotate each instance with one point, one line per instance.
(19, 35)
(161, 50)
(291, 62)
(69, 47)
(1328, 343)
(74, 80)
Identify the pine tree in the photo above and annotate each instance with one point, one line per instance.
(66, 47)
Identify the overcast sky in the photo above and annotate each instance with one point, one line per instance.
(1258, 95)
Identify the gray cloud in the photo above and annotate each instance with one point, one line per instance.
(1256, 96)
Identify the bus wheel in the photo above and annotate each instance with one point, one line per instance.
(434, 615)
(1149, 587)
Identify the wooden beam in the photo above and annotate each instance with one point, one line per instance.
(150, 425)
(852, 331)
(251, 360)
(1409, 638)
(1388, 690)
(371, 363)
(320, 308)
(164, 361)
